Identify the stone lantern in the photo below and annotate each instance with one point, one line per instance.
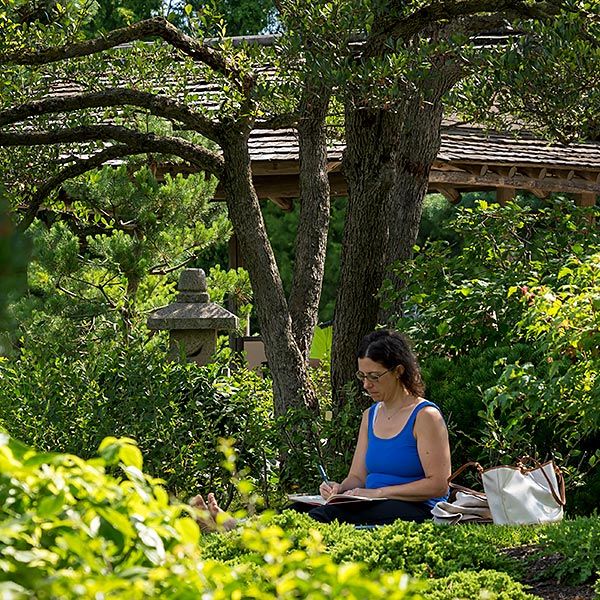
(192, 320)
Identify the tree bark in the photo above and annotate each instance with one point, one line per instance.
(387, 163)
(291, 382)
(368, 168)
(418, 145)
(313, 224)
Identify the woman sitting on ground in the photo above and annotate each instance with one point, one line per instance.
(402, 453)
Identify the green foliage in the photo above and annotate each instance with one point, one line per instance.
(243, 17)
(112, 14)
(559, 387)
(177, 413)
(70, 529)
(507, 328)
(231, 285)
(578, 543)
(282, 229)
(429, 552)
(115, 250)
(546, 77)
(457, 384)
(481, 584)
(435, 219)
(13, 258)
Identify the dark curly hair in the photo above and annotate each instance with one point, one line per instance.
(390, 349)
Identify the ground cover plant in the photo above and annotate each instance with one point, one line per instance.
(69, 529)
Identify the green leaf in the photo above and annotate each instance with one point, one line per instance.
(51, 505)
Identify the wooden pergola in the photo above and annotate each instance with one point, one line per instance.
(469, 160)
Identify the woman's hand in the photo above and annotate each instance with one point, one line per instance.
(328, 489)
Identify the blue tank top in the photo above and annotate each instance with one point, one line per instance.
(395, 460)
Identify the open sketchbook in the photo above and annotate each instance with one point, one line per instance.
(335, 499)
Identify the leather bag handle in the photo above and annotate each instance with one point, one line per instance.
(462, 488)
(558, 495)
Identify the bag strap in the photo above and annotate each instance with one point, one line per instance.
(558, 495)
(462, 488)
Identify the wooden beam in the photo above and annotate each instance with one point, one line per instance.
(287, 186)
(534, 173)
(286, 204)
(450, 193)
(280, 186)
(542, 195)
(505, 171)
(520, 182)
(590, 176)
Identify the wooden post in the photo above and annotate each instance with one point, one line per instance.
(504, 195)
(586, 199)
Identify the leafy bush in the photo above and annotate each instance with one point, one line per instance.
(507, 333)
(578, 542)
(176, 412)
(490, 585)
(557, 392)
(70, 529)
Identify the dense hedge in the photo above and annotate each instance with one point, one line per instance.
(176, 413)
(506, 326)
(68, 529)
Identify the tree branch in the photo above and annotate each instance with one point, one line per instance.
(161, 106)
(155, 27)
(394, 28)
(134, 143)
(137, 143)
(282, 121)
(73, 170)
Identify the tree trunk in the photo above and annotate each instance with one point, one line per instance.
(418, 146)
(368, 168)
(387, 163)
(313, 225)
(291, 383)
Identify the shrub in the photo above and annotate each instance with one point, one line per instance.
(490, 585)
(176, 412)
(508, 326)
(68, 528)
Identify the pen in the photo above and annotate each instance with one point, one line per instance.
(323, 475)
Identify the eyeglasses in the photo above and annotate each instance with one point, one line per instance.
(371, 377)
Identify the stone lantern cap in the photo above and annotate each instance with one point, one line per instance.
(192, 309)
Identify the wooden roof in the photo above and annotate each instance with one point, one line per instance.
(469, 159)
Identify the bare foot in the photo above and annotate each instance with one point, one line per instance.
(219, 515)
(215, 517)
(205, 522)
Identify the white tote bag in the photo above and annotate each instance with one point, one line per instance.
(521, 496)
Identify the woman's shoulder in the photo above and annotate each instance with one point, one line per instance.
(370, 410)
(428, 409)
